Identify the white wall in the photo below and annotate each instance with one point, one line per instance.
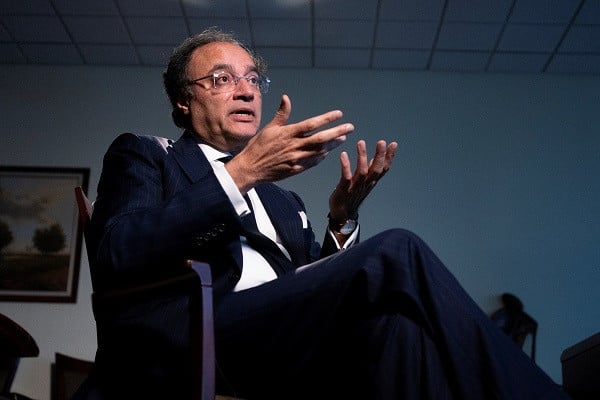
(497, 173)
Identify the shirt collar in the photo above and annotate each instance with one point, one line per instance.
(213, 155)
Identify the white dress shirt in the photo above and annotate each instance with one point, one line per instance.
(256, 269)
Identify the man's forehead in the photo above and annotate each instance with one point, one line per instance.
(222, 55)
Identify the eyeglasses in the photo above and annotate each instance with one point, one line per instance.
(225, 81)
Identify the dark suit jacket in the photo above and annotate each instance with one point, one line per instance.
(159, 202)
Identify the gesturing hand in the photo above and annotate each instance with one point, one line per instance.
(352, 189)
(279, 150)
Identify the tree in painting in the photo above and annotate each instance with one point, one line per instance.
(49, 240)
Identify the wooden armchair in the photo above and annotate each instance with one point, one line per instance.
(198, 279)
(15, 343)
(68, 373)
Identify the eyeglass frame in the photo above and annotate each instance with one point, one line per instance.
(263, 81)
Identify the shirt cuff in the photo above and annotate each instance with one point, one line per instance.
(231, 190)
(349, 242)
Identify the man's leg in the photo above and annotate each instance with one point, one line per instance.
(390, 296)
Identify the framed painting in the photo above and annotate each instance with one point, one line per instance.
(40, 235)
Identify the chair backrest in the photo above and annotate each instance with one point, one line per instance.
(15, 343)
(197, 279)
(67, 375)
(84, 206)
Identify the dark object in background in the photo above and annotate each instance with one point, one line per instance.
(515, 322)
(15, 343)
(581, 369)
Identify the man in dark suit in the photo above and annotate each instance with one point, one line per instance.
(380, 319)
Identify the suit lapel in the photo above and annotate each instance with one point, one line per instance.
(190, 158)
(285, 218)
(279, 204)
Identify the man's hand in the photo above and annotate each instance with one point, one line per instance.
(352, 189)
(279, 151)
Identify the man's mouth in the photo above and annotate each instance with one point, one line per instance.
(245, 112)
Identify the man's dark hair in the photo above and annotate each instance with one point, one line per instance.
(175, 76)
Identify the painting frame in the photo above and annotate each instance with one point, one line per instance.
(40, 233)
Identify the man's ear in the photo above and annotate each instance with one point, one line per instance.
(183, 105)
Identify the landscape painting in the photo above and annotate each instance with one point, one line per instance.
(40, 235)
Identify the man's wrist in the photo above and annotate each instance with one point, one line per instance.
(345, 226)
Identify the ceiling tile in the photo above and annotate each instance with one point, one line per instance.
(518, 62)
(56, 54)
(459, 61)
(342, 58)
(29, 7)
(398, 34)
(11, 54)
(575, 63)
(335, 33)
(345, 9)
(286, 57)
(543, 38)
(47, 29)
(468, 36)
(478, 11)
(289, 32)
(547, 11)
(279, 9)
(407, 35)
(101, 29)
(400, 59)
(214, 9)
(157, 30)
(85, 7)
(239, 27)
(148, 8)
(109, 54)
(582, 38)
(411, 10)
(154, 55)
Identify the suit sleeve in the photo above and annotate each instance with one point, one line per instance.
(141, 223)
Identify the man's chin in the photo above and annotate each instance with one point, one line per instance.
(239, 140)
(245, 133)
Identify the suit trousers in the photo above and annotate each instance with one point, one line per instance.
(383, 319)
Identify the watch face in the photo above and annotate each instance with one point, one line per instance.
(348, 227)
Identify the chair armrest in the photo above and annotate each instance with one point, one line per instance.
(195, 279)
(195, 273)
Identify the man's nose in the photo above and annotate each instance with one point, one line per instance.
(243, 88)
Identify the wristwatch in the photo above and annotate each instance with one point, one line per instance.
(346, 227)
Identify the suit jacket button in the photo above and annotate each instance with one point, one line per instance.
(200, 240)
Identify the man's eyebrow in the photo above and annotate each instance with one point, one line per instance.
(228, 67)
(221, 66)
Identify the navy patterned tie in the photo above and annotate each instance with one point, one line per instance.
(265, 246)
(259, 242)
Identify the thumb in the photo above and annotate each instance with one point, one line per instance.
(283, 112)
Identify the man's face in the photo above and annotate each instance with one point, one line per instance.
(226, 119)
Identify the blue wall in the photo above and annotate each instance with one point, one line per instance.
(499, 174)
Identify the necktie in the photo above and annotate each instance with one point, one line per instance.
(265, 246)
(259, 242)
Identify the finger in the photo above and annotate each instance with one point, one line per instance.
(332, 144)
(283, 112)
(378, 161)
(362, 166)
(389, 155)
(346, 169)
(304, 128)
(335, 136)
